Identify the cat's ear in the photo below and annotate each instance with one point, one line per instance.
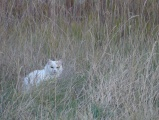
(49, 61)
(60, 61)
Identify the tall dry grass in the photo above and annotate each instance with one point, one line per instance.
(110, 53)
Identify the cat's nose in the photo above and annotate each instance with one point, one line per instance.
(54, 71)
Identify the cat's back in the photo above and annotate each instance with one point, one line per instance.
(34, 77)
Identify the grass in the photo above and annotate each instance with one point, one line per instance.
(110, 67)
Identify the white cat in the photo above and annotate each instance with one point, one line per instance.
(52, 70)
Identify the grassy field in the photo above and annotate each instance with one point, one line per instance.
(110, 52)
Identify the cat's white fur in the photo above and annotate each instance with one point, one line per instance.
(52, 70)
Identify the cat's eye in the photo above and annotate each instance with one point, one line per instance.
(52, 67)
(58, 67)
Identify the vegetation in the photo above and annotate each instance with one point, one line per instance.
(110, 50)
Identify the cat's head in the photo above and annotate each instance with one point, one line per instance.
(54, 67)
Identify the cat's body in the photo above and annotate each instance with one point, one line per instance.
(52, 70)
